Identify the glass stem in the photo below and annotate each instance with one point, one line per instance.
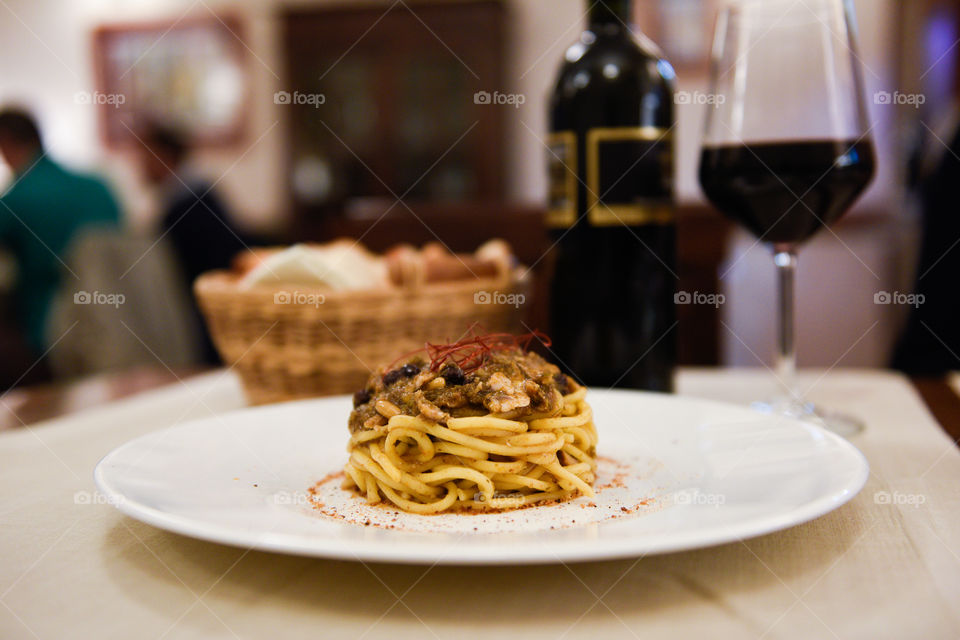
(786, 260)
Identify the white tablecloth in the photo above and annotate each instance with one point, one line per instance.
(875, 568)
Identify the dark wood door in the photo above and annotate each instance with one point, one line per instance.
(397, 115)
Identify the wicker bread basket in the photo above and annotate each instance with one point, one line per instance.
(295, 342)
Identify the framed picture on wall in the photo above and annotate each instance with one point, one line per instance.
(682, 28)
(190, 74)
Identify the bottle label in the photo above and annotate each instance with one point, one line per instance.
(562, 164)
(629, 176)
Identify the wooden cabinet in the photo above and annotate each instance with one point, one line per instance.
(382, 103)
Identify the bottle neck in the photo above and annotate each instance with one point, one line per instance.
(608, 14)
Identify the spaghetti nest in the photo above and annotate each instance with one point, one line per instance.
(507, 432)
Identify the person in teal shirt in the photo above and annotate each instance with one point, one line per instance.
(40, 214)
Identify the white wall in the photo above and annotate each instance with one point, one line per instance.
(541, 32)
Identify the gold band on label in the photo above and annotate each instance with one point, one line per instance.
(566, 216)
(602, 214)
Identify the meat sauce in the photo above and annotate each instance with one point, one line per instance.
(509, 383)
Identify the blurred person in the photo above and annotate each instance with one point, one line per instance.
(930, 344)
(193, 218)
(41, 213)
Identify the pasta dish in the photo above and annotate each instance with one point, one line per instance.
(482, 424)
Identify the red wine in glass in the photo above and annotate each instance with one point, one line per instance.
(786, 150)
(785, 192)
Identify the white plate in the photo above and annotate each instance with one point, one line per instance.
(678, 474)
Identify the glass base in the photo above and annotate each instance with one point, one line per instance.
(840, 424)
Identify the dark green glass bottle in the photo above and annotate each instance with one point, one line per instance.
(611, 207)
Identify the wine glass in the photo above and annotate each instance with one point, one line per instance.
(787, 149)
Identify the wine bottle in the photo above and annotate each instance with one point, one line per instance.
(611, 209)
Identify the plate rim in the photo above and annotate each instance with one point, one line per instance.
(552, 552)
